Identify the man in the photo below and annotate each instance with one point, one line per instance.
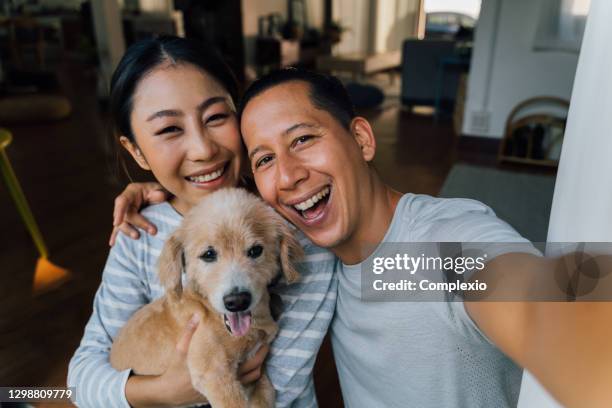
(311, 159)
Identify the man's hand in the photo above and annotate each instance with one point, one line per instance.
(126, 215)
(250, 370)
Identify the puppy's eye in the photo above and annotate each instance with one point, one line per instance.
(255, 251)
(210, 255)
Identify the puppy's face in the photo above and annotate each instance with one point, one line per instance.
(233, 246)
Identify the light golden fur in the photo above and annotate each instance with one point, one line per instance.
(231, 221)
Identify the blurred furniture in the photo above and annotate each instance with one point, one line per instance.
(534, 132)
(218, 23)
(274, 53)
(446, 67)
(33, 108)
(146, 25)
(422, 68)
(25, 33)
(359, 64)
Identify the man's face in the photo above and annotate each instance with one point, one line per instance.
(306, 164)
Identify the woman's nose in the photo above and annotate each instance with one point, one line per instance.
(201, 147)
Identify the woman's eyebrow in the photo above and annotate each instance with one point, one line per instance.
(201, 107)
(164, 113)
(211, 101)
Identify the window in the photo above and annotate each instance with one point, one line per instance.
(561, 25)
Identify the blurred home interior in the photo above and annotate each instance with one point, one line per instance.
(467, 98)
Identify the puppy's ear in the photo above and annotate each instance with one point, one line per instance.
(290, 252)
(171, 263)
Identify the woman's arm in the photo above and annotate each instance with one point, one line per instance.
(121, 293)
(308, 307)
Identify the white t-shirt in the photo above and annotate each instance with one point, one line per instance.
(422, 354)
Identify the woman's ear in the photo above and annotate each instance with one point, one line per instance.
(364, 136)
(134, 152)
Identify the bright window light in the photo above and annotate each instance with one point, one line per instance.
(469, 7)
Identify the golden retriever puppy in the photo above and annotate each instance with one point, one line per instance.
(227, 251)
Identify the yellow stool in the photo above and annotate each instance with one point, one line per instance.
(47, 275)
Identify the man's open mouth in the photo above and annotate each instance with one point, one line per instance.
(313, 206)
(237, 323)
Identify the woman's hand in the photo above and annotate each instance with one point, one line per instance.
(126, 215)
(174, 386)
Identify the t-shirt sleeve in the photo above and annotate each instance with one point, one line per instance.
(121, 293)
(307, 309)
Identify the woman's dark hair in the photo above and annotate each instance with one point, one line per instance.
(326, 92)
(143, 56)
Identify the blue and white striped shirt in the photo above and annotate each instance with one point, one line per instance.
(130, 281)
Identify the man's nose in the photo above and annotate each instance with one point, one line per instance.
(290, 172)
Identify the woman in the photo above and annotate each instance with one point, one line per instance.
(173, 110)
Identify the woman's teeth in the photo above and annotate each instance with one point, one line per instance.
(206, 177)
(306, 204)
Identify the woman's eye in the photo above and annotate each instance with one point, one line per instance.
(262, 161)
(168, 129)
(216, 118)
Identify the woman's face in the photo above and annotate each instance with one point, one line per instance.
(186, 132)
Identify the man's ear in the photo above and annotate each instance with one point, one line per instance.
(134, 152)
(364, 135)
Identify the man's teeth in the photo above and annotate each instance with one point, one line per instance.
(306, 204)
(207, 177)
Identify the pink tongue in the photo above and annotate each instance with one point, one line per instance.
(239, 322)
(314, 211)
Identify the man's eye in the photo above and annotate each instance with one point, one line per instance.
(210, 255)
(302, 139)
(168, 129)
(262, 161)
(255, 251)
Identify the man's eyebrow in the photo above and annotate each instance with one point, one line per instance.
(300, 126)
(297, 126)
(201, 107)
(254, 151)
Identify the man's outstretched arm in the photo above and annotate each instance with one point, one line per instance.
(566, 345)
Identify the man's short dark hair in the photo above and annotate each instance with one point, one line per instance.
(326, 92)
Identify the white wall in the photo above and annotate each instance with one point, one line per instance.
(396, 20)
(505, 69)
(375, 26)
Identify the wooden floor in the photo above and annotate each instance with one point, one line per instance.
(66, 169)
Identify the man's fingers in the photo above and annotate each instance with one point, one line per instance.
(251, 376)
(183, 344)
(157, 196)
(113, 236)
(121, 206)
(128, 230)
(135, 219)
(255, 361)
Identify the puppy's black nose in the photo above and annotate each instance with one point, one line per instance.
(237, 301)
